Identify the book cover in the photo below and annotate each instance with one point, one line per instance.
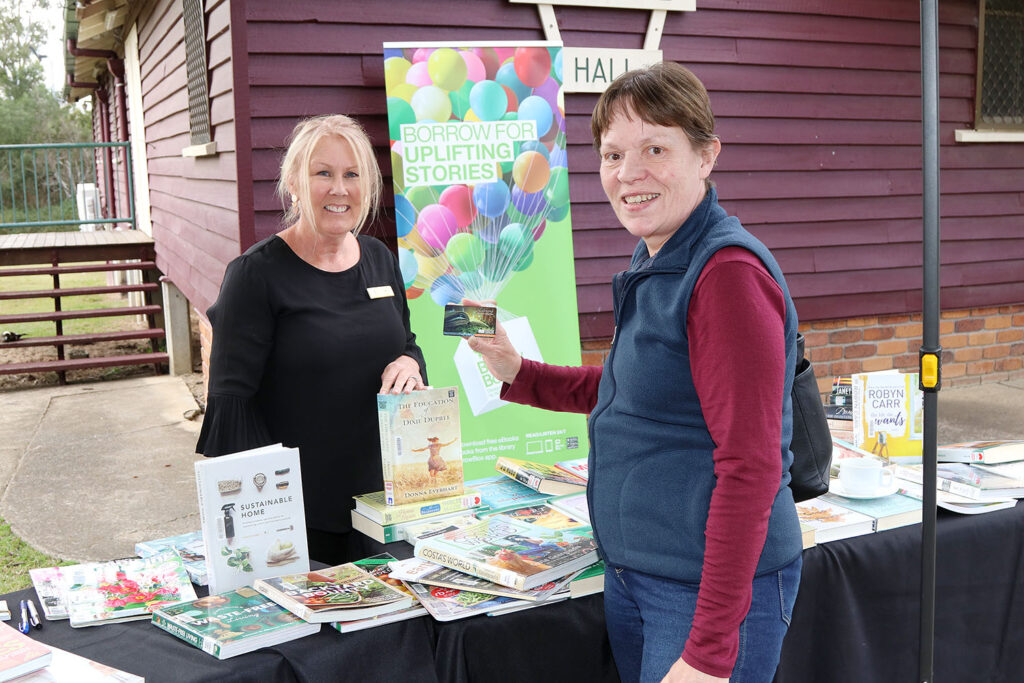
(433, 574)
(888, 512)
(510, 552)
(20, 654)
(232, 623)
(541, 514)
(577, 467)
(189, 548)
(122, 590)
(498, 492)
(982, 452)
(373, 506)
(540, 477)
(420, 445)
(831, 522)
(970, 481)
(67, 666)
(1013, 470)
(888, 415)
(48, 582)
(448, 604)
(380, 566)
(341, 593)
(251, 515)
(572, 504)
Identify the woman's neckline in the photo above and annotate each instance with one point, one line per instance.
(318, 269)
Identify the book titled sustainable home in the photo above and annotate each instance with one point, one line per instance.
(510, 552)
(232, 623)
(888, 415)
(420, 445)
(251, 515)
(341, 593)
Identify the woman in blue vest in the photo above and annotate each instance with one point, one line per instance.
(690, 416)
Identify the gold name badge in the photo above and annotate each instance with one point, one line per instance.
(381, 292)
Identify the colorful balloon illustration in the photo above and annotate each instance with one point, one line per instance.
(447, 68)
(531, 171)
(436, 225)
(532, 65)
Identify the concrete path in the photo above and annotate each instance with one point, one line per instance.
(88, 470)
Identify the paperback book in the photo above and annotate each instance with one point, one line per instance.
(499, 492)
(448, 604)
(48, 582)
(540, 477)
(341, 593)
(541, 514)
(20, 654)
(432, 574)
(576, 467)
(888, 415)
(588, 582)
(832, 522)
(232, 623)
(574, 505)
(251, 515)
(380, 566)
(959, 504)
(510, 552)
(374, 506)
(124, 590)
(807, 537)
(415, 531)
(189, 548)
(888, 512)
(420, 447)
(981, 452)
(966, 480)
(67, 666)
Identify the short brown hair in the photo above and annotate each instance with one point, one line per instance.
(665, 94)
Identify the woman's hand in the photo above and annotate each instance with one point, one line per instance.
(402, 375)
(681, 672)
(501, 357)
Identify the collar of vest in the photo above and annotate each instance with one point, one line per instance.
(675, 254)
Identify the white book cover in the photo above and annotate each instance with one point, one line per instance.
(252, 516)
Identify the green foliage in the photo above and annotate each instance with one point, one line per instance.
(20, 39)
(16, 558)
(237, 558)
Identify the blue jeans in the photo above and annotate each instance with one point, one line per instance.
(649, 617)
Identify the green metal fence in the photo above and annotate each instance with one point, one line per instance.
(64, 185)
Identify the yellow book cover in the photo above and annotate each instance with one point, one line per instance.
(888, 415)
(420, 445)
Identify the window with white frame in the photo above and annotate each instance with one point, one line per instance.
(999, 97)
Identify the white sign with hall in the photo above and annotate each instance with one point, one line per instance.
(592, 69)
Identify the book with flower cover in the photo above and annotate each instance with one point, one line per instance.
(449, 604)
(48, 582)
(231, 623)
(189, 548)
(540, 476)
(420, 445)
(510, 552)
(20, 654)
(381, 566)
(341, 593)
(124, 590)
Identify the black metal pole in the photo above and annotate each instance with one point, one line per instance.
(931, 351)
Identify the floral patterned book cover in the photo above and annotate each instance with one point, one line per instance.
(122, 590)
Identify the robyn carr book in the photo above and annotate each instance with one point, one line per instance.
(232, 623)
(510, 552)
(341, 593)
(888, 415)
(832, 522)
(20, 654)
(420, 445)
(374, 507)
(380, 566)
(252, 516)
(540, 477)
(189, 548)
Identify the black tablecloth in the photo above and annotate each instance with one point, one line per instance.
(856, 619)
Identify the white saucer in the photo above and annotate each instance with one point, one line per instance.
(836, 487)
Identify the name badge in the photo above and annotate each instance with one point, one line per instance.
(381, 292)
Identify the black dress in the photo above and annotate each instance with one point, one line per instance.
(297, 358)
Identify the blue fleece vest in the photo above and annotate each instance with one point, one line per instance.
(651, 466)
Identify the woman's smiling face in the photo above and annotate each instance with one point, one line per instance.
(334, 186)
(653, 176)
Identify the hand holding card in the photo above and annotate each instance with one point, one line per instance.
(465, 320)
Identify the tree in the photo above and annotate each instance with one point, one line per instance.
(20, 39)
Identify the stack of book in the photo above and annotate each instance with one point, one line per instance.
(189, 547)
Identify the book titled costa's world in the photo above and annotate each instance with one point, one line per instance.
(420, 445)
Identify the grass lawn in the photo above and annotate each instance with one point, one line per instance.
(16, 558)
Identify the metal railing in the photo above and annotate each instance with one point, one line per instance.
(58, 184)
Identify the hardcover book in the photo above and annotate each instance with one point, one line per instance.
(831, 522)
(380, 566)
(232, 623)
(541, 514)
(373, 506)
(888, 415)
(981, 452)
(510, 552)
(341, 593)
(252, 517)
(966, 480)
(189, 548)
(888, 512)
(499, 492)
(48, 582)
(67, 666)
(432, 574)
(420, 447)
(540, 477)
(20, 654)
(124, 590)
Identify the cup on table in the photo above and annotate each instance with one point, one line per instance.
(864, 476)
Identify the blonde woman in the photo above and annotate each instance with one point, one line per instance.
(309, 325)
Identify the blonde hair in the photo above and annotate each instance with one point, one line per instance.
(295, 167)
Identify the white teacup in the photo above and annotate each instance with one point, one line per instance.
(864, 476)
